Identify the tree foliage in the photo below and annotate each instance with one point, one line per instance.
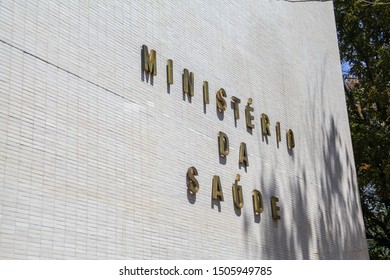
(364, 35)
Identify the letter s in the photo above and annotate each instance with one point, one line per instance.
(192, 183)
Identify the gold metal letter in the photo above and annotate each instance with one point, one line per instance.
(265, 125)
(217, 189)
(221, 103)
(192, 183)
(238, 198)
(248, 117)
(243, 158)
(275, 208)
(235, 102)
(290, 139)
(278, 135)
(170, 72)
(188, 82)
(206, 99)
(223, 144)
(149, 61)
(258, 202)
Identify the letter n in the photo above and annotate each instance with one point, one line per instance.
(188, 82)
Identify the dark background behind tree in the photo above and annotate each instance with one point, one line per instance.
(364, 33)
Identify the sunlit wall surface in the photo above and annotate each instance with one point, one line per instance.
(94, 151)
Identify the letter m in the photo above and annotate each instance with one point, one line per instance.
(149, 61)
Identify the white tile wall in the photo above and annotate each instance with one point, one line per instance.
(93, 158)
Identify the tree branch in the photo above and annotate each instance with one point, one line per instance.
(374, 3)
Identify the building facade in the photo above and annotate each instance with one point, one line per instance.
(174, 130)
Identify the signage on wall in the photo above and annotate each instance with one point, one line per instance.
(149, 66)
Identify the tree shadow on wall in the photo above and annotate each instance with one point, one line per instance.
(323, 219)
